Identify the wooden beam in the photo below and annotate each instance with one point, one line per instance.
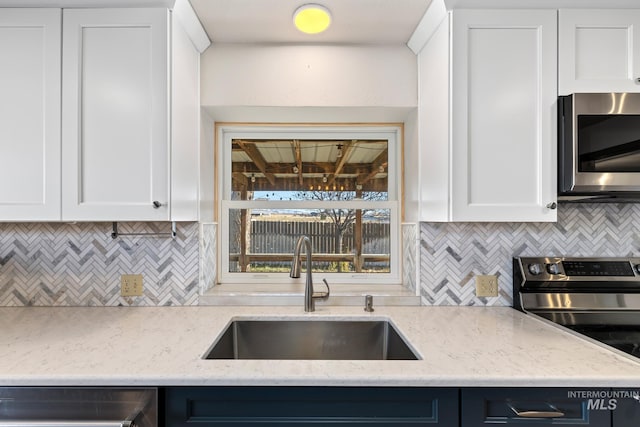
(311, 183)
(240, 179)
(381, 161)
(257, 158)
(245, 226)
(306, 168)
(340, 161)
(315, 257)
(358, 261)
(298, 156)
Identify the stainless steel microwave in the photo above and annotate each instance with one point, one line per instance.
(599, 146)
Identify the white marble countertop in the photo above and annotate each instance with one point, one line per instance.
(459, 346)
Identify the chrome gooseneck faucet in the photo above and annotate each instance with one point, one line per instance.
(296, 266)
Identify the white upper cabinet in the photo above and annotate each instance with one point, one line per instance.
(30, 114)
(599, 50)
(504, 96)
(115, 126)
(99, 114)
(487, 108)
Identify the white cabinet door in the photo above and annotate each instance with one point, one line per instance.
(503, 132)
(30, 114)
(185, 125)
(115, 127)
(599, 51)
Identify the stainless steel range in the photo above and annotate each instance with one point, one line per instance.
(596, 297)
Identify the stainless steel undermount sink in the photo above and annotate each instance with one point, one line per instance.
(311, 339)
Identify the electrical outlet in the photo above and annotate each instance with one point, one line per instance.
(131, 285)
(487, 286)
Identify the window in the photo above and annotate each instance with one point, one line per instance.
(338, 185)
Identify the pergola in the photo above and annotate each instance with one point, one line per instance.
(355, 166)
(293, 165)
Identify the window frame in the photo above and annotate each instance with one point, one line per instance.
(225, 133)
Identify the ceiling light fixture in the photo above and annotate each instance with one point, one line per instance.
(312, 18)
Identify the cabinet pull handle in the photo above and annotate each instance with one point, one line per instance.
(74, 423)
(552, 205)
(156, 204)
(638, 80)
(553, 413)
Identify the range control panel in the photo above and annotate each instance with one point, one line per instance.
(579, 269)
(597, 268)
(565, 286)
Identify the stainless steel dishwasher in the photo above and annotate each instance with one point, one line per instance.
(78, 407)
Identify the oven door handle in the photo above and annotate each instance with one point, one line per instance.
(553, 413)
(74, 423)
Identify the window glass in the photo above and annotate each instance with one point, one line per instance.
(340, 192)
(270, 237)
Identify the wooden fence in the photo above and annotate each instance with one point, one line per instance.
(271, 243)
(281, 236)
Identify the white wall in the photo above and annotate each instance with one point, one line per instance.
(326, 78)
(316, 83)
(434, 105)
(411, 168)
(207, 169)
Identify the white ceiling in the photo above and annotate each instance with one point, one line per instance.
(271, 21)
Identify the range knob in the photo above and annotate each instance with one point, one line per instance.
(553, 268)
(535, 269)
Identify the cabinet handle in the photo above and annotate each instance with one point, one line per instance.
(74, 423)
(552, 205)
(553, 413)
(638, 80)
(156, 204)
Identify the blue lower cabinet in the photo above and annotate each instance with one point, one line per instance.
(534, 406)
(627, 408)
(301, 406)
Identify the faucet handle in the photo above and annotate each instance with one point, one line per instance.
(323, 295)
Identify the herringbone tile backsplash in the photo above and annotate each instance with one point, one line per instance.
(453, 253)
(208, 248)
(55, 264)
(409, 255)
